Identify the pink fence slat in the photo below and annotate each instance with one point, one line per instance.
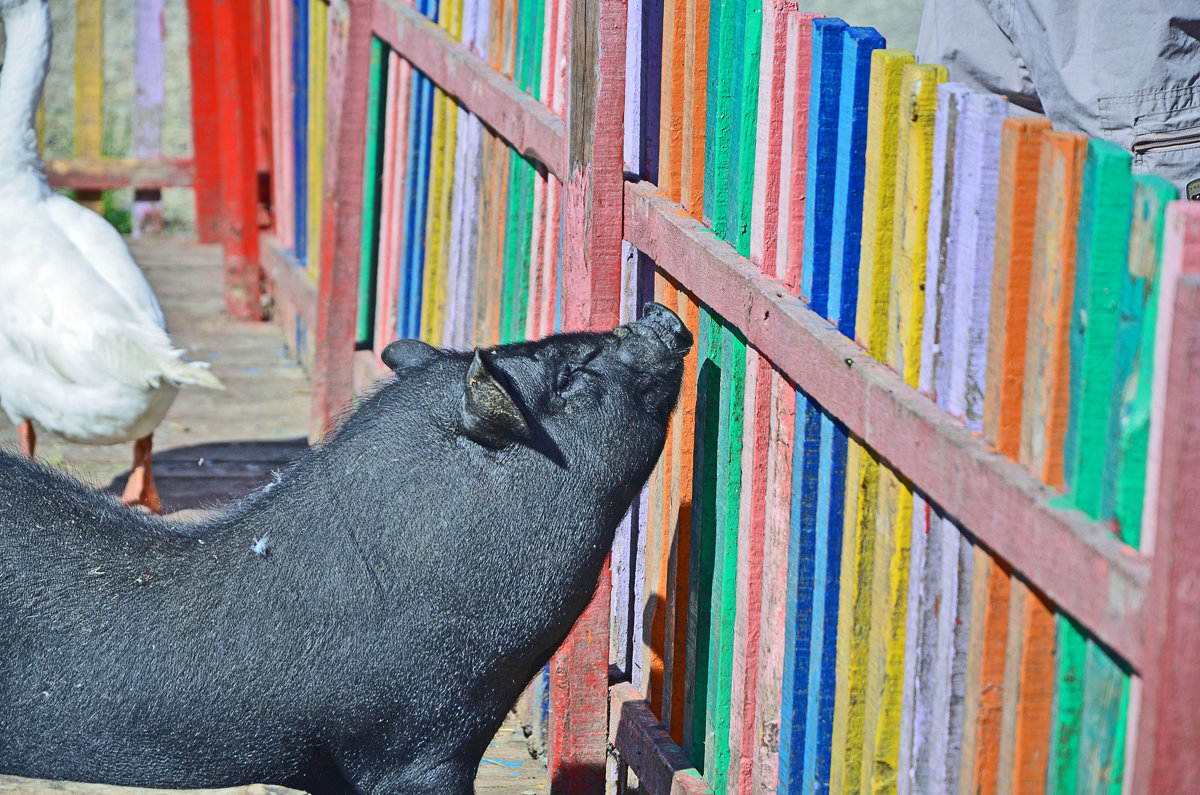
(591, 291)
(776, 526)
(395, 137)
(1167, 730)
(796, 107)
(772, 84)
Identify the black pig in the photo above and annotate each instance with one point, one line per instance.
(363, 624)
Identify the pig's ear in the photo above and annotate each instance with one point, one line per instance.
(407, 354)
(489, 415)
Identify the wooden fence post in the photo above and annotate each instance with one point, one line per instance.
(202, 42)
(238, 187)
(1168, 728)
(348, 76)
(590, 299)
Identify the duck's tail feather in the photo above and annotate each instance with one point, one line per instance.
(181, 371)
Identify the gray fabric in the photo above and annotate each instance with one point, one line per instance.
(1124, 70)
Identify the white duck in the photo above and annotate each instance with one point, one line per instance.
(83, 344)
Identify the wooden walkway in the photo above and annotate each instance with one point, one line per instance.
(216, 446)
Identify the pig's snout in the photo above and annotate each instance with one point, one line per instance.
(667, 326)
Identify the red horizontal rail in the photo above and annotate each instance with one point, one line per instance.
(526, 124)
(79, 173)
(660, 764)
(1077, 562)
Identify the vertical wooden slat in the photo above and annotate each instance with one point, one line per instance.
(862, 468)
(318, 65)
(693, 142)
(372, 201)
(1016, 217)
(1167, 731)
(1105, 205)
(791, 119)
(592, 218)
(202, 42)
(300, 112)
(283, 188)
(337, 286)
(89, 89)
(235, 130)
(148, 106)
(1139, 318)
(918, 96)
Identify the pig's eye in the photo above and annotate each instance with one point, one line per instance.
(564, 379)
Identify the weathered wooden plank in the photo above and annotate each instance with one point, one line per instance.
(728, 504)
(591, 287)
(317, 121)
(1105, 204)
(1051, 288)
(237, 162)
(300, 110)
(204, 81)
(672, 41)
(1010, 692)
(861, 466)
(283, 179)
(89, 87)
(148, 105)
(1139, 318)
(1167, 730)
(526, 124)
(684, 474)
(111, 172)
(657, 557)
(349, 61)
(1090, 575)
(918, 98)
(394, 189)
(808, 549)
(764, 216)
(775, 565)
(695, 67)
(1015, 222)
(748, 608)
(647, 748)
(372, 201)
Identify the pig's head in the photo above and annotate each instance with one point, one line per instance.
(593, 406)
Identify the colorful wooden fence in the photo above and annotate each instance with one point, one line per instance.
(920, 524)
(107, 133)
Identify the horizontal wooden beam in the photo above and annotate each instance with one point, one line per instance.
(526, 124)
(80, 173)
(1078, 563)
(644, 744)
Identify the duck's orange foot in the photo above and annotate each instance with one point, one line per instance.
(140, 491)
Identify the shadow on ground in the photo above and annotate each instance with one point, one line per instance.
(205, 476)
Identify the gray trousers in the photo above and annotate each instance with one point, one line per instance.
(1127, 71)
